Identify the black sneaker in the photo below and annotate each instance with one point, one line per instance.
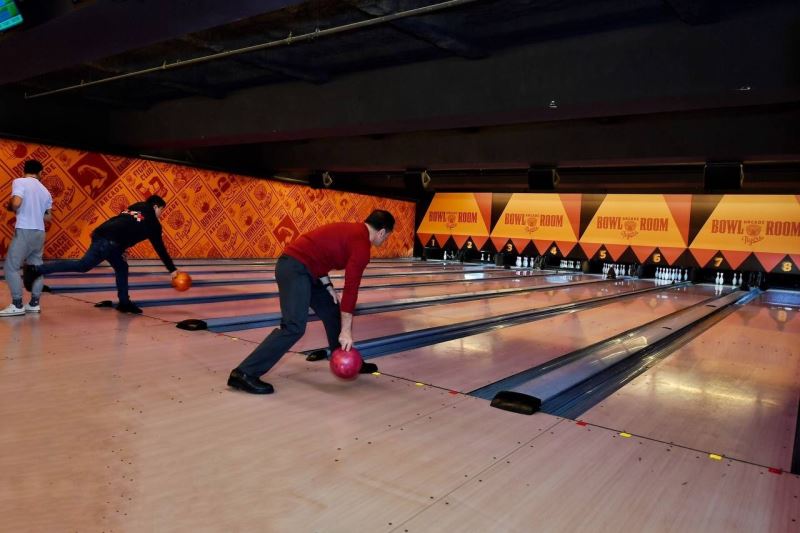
(129, 307)
(244, 382)
(368, 368)
(30, 273)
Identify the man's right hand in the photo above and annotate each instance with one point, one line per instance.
(346, 333)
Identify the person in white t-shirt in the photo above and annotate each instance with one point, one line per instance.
(32, 203)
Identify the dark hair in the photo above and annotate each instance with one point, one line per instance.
(156, 201)
(32, 166)
(380, 219)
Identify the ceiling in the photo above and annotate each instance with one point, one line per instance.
(634, 95)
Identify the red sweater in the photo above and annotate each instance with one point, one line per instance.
(342, 245)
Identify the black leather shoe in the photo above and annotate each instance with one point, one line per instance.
(317, 355)
(129, 307)
(30, 273)
(368, 368)
(240, 380)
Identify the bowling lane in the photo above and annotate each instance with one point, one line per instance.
(402, 276)
(176, 313)
(406, 267)
(733, 390)
(167, 292)
(476, 361)
(256, 261)
(394, 322)
(157, 265)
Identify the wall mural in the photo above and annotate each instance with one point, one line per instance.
(209, 214)
(750, 232)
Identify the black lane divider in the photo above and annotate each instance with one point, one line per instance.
(506, 390)
(581, 397)
(238, 323)
(250, 281)
(428, 336)
(584, 396)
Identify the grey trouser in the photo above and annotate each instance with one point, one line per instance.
(27, 246)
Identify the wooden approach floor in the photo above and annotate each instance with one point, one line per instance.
(111, 422)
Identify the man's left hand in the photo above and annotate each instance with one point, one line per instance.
(333, 294)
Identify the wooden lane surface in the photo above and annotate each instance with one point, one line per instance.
(393, 322)
(176, 313)
(128, 426)
(572, 478)
(479, 360)
(104, 270)
(56, 282)
(114, 422)
(207, 265)
(179, 311)
(733, 390)
(143, 263)
(245, 306)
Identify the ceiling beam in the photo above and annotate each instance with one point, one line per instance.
(152, 79)
(425, 30)
(105, 29)
(260, 62)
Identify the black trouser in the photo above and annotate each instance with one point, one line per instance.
(299, 290)
(101, 249)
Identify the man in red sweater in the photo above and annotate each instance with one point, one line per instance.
(303, 282)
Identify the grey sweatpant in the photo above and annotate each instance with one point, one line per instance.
(27, 246)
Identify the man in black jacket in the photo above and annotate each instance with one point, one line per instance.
(110, 241)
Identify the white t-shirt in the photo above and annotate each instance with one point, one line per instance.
(36, 200)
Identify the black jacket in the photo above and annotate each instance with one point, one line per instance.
(132, 226)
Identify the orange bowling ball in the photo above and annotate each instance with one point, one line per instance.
(182, 281)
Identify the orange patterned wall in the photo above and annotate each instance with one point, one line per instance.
(208, 214)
